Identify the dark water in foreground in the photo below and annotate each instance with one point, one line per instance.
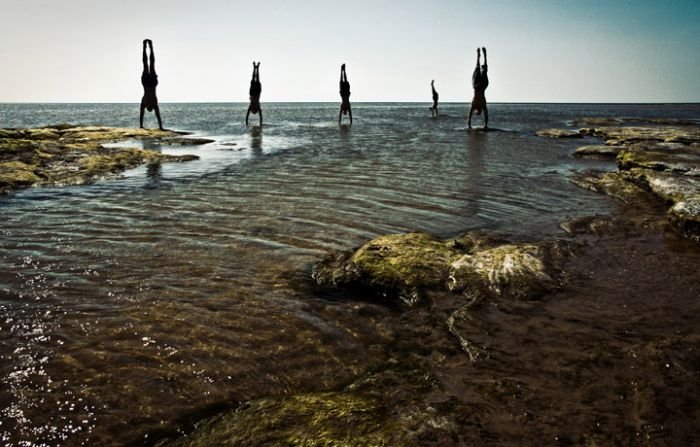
(132, 304)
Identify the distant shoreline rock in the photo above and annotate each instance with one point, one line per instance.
(657, 156)
(71, 155)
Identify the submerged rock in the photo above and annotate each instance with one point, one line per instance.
(320, 419)
(64, 154)
(613, 184)
(410, 266)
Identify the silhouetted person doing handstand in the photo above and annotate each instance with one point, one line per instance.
(255, 91)
(433, 109)
(480, 80)
(344, 95)
(149, 80)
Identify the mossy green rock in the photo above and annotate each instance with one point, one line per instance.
(307, 420)
(66, 155)
(403, 265)
(411, 266)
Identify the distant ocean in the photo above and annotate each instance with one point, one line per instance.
(129, 303)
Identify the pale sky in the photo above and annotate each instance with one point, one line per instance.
(539, 51)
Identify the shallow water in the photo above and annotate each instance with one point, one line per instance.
(131, 305)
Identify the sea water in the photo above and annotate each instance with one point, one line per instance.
(130, 304)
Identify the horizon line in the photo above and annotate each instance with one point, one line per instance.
(367, 102)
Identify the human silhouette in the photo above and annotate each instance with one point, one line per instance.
(255, 91)
(433, 109)
(149, 80)
(344, 95)
(480, 80)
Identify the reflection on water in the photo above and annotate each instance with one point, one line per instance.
(133, 306)
(256, 140)
(473, 170)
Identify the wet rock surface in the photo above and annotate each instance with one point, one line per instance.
(559, 133)
(658, 157)
(408, 267)
(602, 151)
(66, 155)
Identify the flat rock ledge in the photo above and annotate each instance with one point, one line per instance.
(70, 155)
(408, 267)
(655, 157)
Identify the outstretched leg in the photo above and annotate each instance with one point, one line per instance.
(476, 76)
(145, 59)
(153, 57)
(484, 72)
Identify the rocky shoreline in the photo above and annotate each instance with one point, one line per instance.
(658, 158)
(71, 155)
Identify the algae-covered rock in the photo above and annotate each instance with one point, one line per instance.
(394, 406)
(685, 215)
(65, 154)
(402, 265)
(559, 133)
(660, 160)
(516, 270)
(597, 151)
(673, 157)
(410, 266)
(613, 184)
(307, 420)
(16, 174)
(633, 134)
